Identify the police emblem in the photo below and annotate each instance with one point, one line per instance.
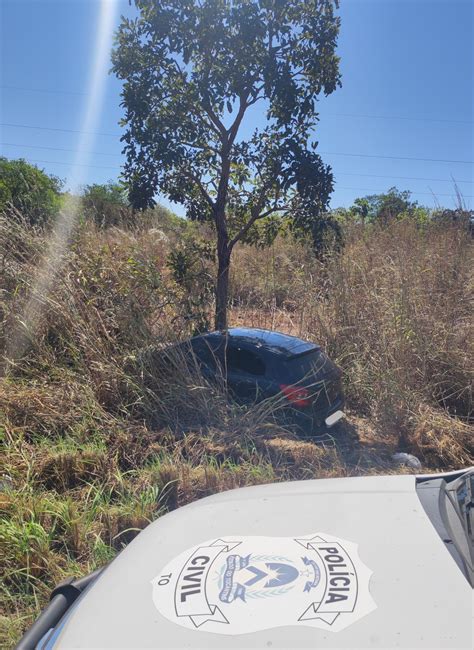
(236, 586)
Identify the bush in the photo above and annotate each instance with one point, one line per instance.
(107, 205)
(29, 190)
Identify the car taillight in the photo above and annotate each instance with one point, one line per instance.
(297, 395)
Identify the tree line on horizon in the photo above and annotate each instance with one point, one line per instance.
(38, 196)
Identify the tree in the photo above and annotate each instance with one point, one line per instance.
(361, 209)
(460, 216)
(385, 207)
(193, 73)
(29, 190)
(106, 204)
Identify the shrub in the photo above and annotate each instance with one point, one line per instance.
(107, 205)
(29, 190)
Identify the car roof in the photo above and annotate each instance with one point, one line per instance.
(276, 342)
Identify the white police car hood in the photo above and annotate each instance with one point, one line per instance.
(337, 563)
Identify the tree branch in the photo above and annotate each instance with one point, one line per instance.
(277, 208)
(255, 216)
(202, 189)
(209, 124)
(238, 120)
(200, 147)
(220, 128)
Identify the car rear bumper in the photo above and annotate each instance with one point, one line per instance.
(311, 421)
(319, 417)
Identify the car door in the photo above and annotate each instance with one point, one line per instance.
(208, 354)
(245, 372)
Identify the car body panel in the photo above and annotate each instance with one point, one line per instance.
(280, 359)
(422, 599)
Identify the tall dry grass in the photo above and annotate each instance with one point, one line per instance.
(96, 442)
(395, 311)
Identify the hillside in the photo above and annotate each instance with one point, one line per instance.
(95, 445)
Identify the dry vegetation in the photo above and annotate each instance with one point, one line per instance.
(93, 448)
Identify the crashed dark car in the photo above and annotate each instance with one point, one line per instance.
(258, 364)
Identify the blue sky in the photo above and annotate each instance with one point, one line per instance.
(407, 93)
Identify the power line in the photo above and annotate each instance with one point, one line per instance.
(103, 153)
(370, 189)
(368, 155)
(352, 115)
(35, 146)
(406, 178)
(44, 90)
(48, 128)
(326, 153)
(398, 117)
(361, 189)
(73, 164)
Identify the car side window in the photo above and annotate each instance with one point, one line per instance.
(241, 360)
(206, 353)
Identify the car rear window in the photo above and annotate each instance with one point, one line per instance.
(313, 365)
(241, 360)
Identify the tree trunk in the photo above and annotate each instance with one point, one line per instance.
(223, 248)
(222, 285)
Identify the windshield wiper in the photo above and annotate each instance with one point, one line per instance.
(461, 494)
(448, 502)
